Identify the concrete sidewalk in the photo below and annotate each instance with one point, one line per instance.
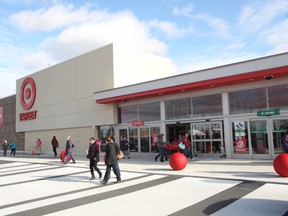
(43, 185)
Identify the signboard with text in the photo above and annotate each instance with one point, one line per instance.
(268, 112)
(27, 99)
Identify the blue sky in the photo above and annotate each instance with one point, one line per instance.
(195, 34)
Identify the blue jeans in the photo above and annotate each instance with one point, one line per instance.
(116, 171)
(69, 154)
(188, 153)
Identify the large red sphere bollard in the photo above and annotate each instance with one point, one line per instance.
(178, 161)
(63, 156)
(280, 165)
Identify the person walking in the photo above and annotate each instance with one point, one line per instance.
(5, 147)
(13, 148)
(187, 144)
(38, 146)
(55, 145)
(124, 146)
(69, 150)
(111, 150)
(93, 155)
(161, 148)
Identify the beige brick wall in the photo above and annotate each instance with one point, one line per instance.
(79, 136)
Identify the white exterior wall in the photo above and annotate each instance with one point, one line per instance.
(65, 102)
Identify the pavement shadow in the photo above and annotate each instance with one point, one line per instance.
(159, 169)
(275, 207)
(71, 178)
(245, 174)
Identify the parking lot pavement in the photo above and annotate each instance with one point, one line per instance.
(45, 186)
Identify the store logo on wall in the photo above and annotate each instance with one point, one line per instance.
(27, 99)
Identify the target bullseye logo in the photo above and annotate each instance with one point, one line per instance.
(28, 93)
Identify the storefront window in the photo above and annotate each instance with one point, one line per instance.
(154, 133)
(149, 112)
(278, 97)
(128, 114)
(104, 132)
(247, 101)
(133, 139)
(209, 105)
(144, 139)
(259, 137)
(178, 109)
(280, 136)
(143, 112)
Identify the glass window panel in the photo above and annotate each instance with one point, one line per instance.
(278, 97)
(154, 133)
(247, 101)
(280, 136)
(149, 112)
(209, 105)
(128, 114)
(133, 139)
(259, 137)
(144, 139)
(178, 109)
(105, 131)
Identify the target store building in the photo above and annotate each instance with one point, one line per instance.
(238, 110)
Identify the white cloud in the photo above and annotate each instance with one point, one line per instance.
(254, 18)
(8, 82)
(170, 30)
(278, 37)
(219, 26)
(54, 17)
(36, 61)
(185, 11)
(195, 62)
(121, 28)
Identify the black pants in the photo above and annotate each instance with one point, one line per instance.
(93, 165)
(55, 151)
(116, 171)
(13, 152)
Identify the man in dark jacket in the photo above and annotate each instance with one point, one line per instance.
(93, 155)
(112, 149)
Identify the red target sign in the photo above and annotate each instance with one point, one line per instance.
(28, 93)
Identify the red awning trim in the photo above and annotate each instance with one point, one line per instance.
(218, 82)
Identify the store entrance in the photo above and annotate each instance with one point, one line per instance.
(207, 138)
(261, 138)
(176, 130)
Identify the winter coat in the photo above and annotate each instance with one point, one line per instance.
(5, 145)
(93, 152)
(54, 142)
(111, 150)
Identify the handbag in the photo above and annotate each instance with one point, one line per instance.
(181, 145)
(120, 155)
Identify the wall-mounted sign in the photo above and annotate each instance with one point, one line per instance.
(27, 99)
(268, 112)
(137, 123)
